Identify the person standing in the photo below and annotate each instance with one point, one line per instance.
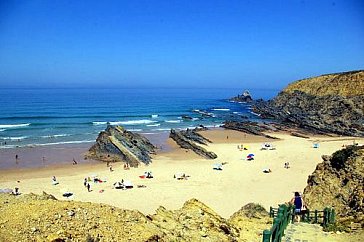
(297, 201)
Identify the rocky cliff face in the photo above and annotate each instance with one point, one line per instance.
(331, 103)
(339, 182)
(42, 218)
(118, 144)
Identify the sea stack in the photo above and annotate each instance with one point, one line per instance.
(332, 103)
(118, 144)
(244, 97)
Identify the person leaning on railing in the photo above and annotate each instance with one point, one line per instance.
(297, 201)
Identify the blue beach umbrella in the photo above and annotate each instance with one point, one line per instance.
(251, 155)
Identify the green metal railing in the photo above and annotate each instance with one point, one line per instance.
(284, 214)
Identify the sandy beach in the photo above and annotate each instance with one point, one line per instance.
(226, 191)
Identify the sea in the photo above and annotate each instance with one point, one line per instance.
(44, 117)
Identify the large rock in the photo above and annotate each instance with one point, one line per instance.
(118, 144)
(332, 103)
(187, 139)
(251, 128)
(339, 182)
(244, 97)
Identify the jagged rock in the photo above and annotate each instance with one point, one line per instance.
(332, 103)
(249, 127)
(118, 144)
(187, 139)
(339, 182)
(244, 97)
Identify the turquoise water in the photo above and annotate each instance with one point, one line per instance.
(39, 117)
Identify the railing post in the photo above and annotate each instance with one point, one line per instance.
(266, 235)
(316, 218)
(308, 216)
(332, 216)
(325, 217)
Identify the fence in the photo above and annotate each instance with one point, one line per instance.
(285, 214)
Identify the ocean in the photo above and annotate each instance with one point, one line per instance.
(43, 117)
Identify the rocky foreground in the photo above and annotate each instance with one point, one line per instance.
(117, 144)
(339, 182)
(43, 218)
(332, 103)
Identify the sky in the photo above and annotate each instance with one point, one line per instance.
(184, 44)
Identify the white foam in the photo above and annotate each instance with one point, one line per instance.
(14, 138)
(64, 142)
(99, 123)
(134, 130)
(55, 136)
(133, 122)
(1, 130)
(256, 114)
(153, 125)
(221, 109)
(235, 112)
(173, 121)
(154, 115)
(13, 126)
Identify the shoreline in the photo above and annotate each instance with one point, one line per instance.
(226, 191)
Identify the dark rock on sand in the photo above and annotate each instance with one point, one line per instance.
(187, 139)
(118, 144)
(244, 97)
(332, 103)
(250, 128)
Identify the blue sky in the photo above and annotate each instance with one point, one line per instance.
(239, 44)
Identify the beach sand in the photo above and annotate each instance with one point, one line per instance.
(240, 182)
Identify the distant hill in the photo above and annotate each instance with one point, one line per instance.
(331, 103)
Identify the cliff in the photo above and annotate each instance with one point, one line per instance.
(339, 182)
(332, 103)
(42, 218)
(118, 144)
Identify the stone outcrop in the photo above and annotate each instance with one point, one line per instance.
(339, 182)
(244, 97)
(250, 128)
(44, 219)
(187, 139)
(118, 144)
(332, 103)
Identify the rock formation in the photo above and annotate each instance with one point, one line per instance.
(250, 128)
(244, 97)
(118, 144)
(332, 103)
(339, 182)
(187, 139)
(45, 219)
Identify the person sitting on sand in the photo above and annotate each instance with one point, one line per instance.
(54, 180)
(74, 161)
(16, 191)
(111, 169)
(297, 201)
(267, 170)
(85, 182)
(286, 165)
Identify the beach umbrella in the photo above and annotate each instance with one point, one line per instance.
(251, 155)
